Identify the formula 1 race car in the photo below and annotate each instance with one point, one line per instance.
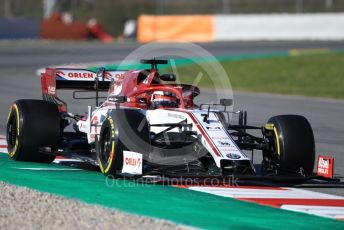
(150, 126)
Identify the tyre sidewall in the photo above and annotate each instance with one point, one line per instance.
(111, 165)
(14, 149)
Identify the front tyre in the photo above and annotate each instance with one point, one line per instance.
(293, 147)
(109, 150)
(122, 130)
(32, 124)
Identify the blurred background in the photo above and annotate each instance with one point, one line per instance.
(118, 19)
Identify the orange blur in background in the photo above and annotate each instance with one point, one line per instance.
(196, 28)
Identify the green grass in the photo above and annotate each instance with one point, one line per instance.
(313, 74)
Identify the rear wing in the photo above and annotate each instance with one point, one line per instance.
(78, 79)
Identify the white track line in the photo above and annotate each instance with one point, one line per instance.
(329, 211)
(3, 144)
(49, 169)
(292, 199)
(264, 193)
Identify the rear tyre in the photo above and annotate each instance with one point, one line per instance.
(123, 129)
(32, 124)
(293, 145)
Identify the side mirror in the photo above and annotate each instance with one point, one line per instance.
(168, 77)
(226, 102)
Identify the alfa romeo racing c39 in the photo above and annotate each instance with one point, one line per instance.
(150, 125)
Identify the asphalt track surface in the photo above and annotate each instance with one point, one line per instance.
(20, 60)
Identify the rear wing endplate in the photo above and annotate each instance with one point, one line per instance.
(78, 79)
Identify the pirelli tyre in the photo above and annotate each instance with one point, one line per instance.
(294, 147)
(123, 130)
(32, 125)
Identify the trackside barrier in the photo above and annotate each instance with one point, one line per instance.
(195, 28)
(209, 28)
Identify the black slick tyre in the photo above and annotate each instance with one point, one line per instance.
(123, 129)
(294, 147)
(32, 124)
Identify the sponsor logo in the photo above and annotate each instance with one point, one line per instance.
(233, 156)
(84, 74)
(80, 75)
(132, 162)
(60, 72)
(228, 149)
(325, 166)
(116, 76)
(119, 76)
(220, 138)
(135, 162)
(224, 143)
(76, 75)
(173, 115)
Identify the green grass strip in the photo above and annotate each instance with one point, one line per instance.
(178, 205)
(318, 75)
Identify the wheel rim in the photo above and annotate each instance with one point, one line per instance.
(12, 132)
(105, 145)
